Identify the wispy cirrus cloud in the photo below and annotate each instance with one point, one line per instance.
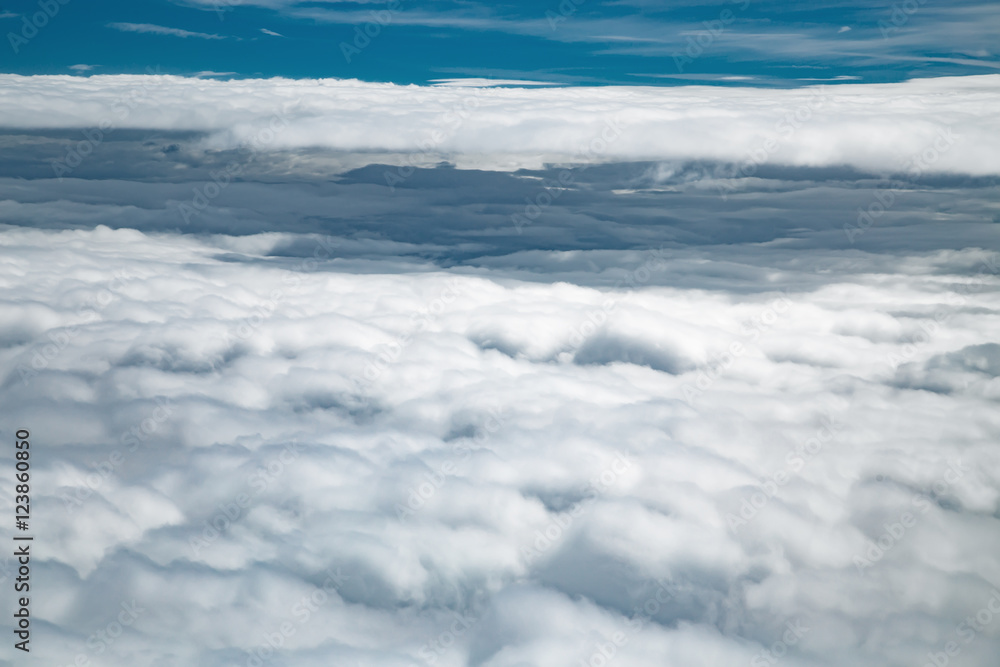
(861, 37)
(150, 28)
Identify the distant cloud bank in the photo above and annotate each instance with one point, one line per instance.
(949, 125)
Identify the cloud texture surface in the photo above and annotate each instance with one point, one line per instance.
(638, 412)
(883, 127)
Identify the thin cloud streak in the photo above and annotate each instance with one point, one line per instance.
(149, 28)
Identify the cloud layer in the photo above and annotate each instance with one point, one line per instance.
(298, 402)
(376, 466)
(943, 125)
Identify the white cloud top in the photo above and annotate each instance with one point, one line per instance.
(220, 432)
(947, 125)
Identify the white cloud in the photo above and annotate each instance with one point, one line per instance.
(81, 68)
(160, 30)
(237, 372)
(271, 32)
(881, 127)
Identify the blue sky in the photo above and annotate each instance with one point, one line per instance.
(759, 42)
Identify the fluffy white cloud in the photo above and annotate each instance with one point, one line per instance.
(921, 126)
(492, 471)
